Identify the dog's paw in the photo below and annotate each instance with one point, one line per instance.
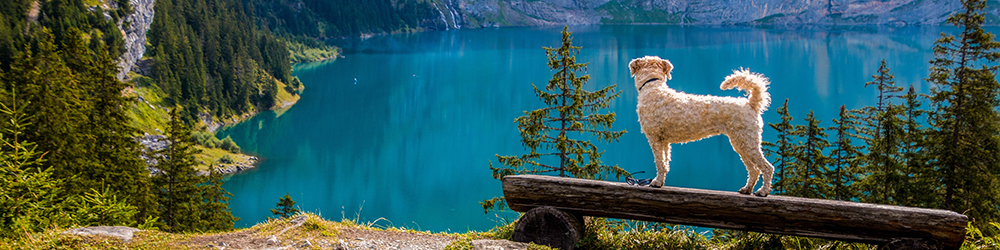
(761, 193)
(656, 183)
(745, 191)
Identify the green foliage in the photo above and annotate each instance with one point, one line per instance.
(228, 144)
(602, 233)
(216, 214)
(211, 57)
(782, 149)
(104, 208)
(975, 239)
(185, 204)
(571, 110)
(964, 140)
(947, 157)
(733, 239)
(342, 18)
(77, 118)
(227, 159)
(29, 194)
(807, 175)
(285, 207)
(883, 132)
(304, 49)
(845, 157)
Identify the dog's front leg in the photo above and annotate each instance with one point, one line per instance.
(661, 151)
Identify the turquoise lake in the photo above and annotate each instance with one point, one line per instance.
(404, 126)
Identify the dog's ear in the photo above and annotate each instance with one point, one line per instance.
(633, 66)
(667, 67)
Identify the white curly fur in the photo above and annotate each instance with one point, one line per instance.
(668, 116)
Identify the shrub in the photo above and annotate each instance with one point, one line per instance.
(227, 159)
(228, 144)
(213, 142)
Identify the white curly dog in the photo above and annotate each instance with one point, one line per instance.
(668, 116)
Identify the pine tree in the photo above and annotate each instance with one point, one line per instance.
(285, 207)
(883, 133)
(57, 110)
(217, 216)
(845, 157)
(783, 149)
(571, 110)
(111, 144)
(920, 186)
(177, 182)
(810, 163)
(30, 196)
(964, 142)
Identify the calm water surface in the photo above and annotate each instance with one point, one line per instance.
(404, 127)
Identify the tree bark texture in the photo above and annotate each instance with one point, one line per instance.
(549, 226)
(839, 220)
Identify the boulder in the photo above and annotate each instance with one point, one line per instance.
(120, 232)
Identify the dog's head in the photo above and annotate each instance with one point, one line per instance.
(648, 67)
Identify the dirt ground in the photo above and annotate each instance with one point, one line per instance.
(309, 233)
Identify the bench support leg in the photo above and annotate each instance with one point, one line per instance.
(549, 226)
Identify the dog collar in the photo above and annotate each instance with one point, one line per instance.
(647, 81)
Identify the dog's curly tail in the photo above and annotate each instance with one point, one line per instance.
(755, 84)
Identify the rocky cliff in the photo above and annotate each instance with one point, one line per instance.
(135, 34)
(491, 13)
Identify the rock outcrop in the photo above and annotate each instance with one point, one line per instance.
(135, 34)
(491, 13)
(121, 232)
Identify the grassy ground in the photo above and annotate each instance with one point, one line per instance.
(149, 116)
(301, 52)
(148, 113)
(313, 232)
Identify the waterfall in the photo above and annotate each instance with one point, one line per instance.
(454, 14)
(443, 19)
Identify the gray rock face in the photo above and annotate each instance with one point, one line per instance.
(135, 34)
(488, 13)
(120, 232)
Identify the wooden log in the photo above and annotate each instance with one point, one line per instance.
(838, 220)
(549, 226)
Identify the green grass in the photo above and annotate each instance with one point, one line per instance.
(600, 234)
(304, 53)
(143, 116)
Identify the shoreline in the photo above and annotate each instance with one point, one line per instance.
(246, 161)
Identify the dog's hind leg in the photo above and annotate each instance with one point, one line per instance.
(766, 171)
(661, 151)
(745, 152)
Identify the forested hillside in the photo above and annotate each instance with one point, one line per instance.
(209, 56)
(68, 149)
(344, 18)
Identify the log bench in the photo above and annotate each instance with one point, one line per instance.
(561, 202)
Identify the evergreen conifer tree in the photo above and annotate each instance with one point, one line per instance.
(30, 196)
(285, 207)
(783, 149)
(572, 111)
(964, 140)
(112, 149)
(883, 132)
(845, 157)
(177, 182)
(811, 163)
(217, 216)
(920, 186)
